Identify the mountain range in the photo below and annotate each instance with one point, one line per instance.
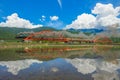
(7, 33)
(93, 30)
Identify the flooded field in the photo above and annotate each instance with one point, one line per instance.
(61, 63)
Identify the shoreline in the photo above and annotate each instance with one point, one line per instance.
(33, 45)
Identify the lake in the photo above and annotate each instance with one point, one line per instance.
(60, 63)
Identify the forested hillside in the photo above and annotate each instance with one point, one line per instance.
(7, 33)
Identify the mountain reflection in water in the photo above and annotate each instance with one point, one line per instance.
(86, 63)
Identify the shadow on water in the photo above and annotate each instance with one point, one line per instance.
(60, 63)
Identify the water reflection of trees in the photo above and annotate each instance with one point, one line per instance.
(106, 52)
(109, 53)
(51, 53)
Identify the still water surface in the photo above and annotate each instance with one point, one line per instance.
(96, 63)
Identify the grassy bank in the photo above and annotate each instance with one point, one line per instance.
(10, 45)
(39, 45)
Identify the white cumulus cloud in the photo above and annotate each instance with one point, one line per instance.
(54, 18)
(105, 9)
(83, 21)
(106, 15)
(15, 21)
(108, 21)
(43, 18)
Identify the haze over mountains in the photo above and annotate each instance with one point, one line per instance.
(10, 33)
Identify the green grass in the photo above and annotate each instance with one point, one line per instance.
(14, 44)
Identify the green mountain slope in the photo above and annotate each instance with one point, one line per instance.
(7, 33)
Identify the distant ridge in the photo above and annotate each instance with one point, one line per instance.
(93, 30)
(7, 33)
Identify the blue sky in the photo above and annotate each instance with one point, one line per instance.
(40, 11)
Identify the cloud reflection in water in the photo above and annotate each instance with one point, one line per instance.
(15, 66)
(100, 70)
